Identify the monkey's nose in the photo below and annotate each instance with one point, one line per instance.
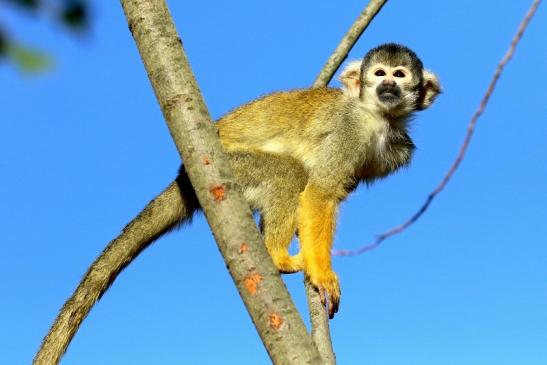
(389, 82)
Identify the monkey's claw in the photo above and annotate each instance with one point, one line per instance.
(329, 291)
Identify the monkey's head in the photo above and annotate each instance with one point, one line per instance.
(391, 79)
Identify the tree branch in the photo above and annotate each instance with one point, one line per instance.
(463, 149)
(320, 331)
(260, 286)
(347, 42)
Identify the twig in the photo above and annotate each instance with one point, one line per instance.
(463, 149)
(347, 42)
(319, 319)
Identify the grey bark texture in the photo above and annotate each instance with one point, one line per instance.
(277, 321)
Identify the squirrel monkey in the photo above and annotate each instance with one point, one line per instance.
(341, 138)
(296, 155)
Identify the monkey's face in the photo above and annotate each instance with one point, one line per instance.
(391, 88)
(391, 80)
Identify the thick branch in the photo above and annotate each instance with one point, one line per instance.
(463, 148)
(265, 296)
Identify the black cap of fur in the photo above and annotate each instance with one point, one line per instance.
(393, 54)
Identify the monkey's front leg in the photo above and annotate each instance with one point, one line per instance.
(316, 224)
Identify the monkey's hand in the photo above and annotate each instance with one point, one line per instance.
(324, 280)
(326, 283)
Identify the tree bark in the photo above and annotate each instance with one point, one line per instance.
(277, 321)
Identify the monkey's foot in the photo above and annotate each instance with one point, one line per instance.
(329, 290)
(287, 264)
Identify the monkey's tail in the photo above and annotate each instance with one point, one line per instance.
(173, 206)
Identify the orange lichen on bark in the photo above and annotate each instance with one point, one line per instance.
(243, 248)
(206, 160)
(218, 192)
(275, 321)
(251, 283)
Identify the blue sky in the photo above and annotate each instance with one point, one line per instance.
(84, 147)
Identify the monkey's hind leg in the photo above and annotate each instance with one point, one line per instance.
(272, 184)
(278, 228)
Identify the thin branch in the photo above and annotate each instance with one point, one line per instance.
(320, 332)
(318, 314)
(267, 300)
(347, 42)
(463, 149)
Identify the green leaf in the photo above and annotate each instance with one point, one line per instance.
(28, 59)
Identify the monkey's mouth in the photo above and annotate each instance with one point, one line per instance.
(388, 94)
(388, 97)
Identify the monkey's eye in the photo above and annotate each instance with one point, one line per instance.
(399, 73)
(379, 73)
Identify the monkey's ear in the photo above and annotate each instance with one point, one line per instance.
(350, 78)
(431, 87)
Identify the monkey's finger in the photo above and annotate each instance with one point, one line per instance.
(334, 304)
(331, 310)
(322, 296)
